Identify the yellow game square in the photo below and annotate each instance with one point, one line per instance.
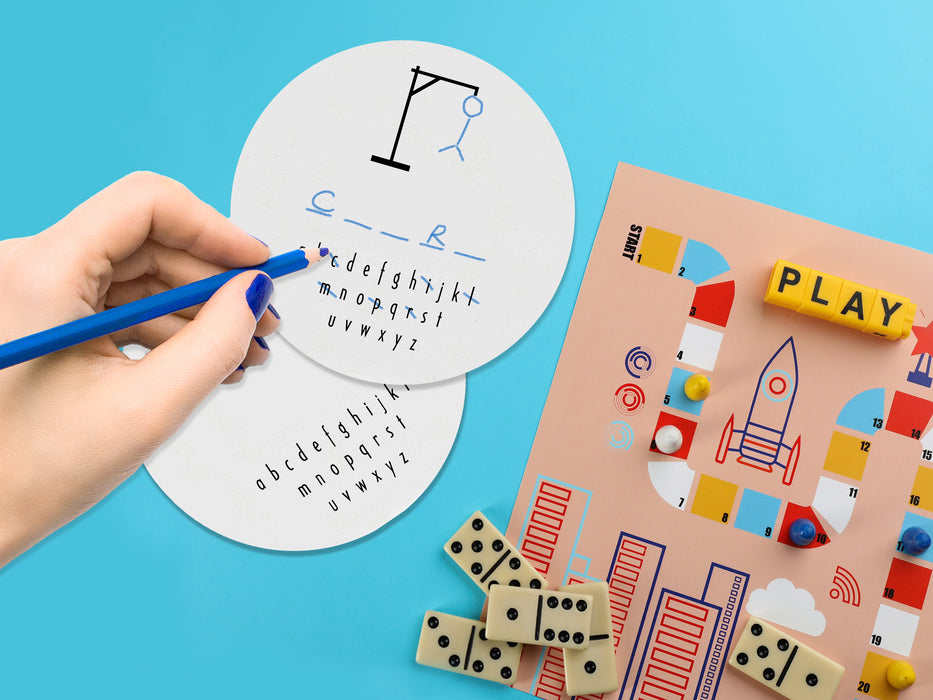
(921, 495)
(659, 249)
(873, 680)
(847, 455)
(714, 498)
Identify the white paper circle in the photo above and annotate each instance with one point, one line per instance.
(296, 457)
(440, 189)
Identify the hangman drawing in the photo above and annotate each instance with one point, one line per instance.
(473, 110)
(472, 107)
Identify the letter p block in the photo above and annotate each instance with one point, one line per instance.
(787, 285)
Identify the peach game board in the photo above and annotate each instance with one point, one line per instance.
(806, 419)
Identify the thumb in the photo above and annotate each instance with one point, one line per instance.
(179, 374)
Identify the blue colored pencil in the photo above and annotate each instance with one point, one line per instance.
(120, 317)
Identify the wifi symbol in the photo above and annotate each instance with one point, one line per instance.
(845, 587)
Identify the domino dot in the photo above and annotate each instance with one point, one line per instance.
(515, 582)
(477, 524)
(495, 653)
(768, 674)
(476, 568)
(454, 660)
(497, 545)
(552, 601)
(578, 638)
(564, 636)
(512, 614)
(549, 635)
(515, 563)
(433, 622)
(566, 604)
(456, 547)
(482, 634)
(581, 605)
(443, 641)
(478, 666)
(812, 680)
(757, 630)
(506, 673)
(535, 584)
(477, 546)
(783, 644)
(512, 644)
(762, 652)
(589, 667)
(742, 659)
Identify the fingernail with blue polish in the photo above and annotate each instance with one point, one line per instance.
(241, 368)
(273, 311)
(324, 252)
(258, 294)
(261, 343)
(260, 240)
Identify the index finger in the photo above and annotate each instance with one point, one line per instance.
(118, 219)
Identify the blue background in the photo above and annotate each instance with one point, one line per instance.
(822, 108)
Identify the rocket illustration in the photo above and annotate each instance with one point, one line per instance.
(761, 444)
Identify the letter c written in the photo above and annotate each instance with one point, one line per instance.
(317, 208)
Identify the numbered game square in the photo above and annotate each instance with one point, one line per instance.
(714, 498)
(758, 512)
(921, 495)
(676, 398)
(894, 630)
(847, 455)
(686, 427)
(907, 583)
(699, 347)
(659, 249)
(909, 415)
(873, 679)
(914, 520)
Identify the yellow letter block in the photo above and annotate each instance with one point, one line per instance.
(834, 299)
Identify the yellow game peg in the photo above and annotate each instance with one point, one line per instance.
(696, 387)
(901, 674)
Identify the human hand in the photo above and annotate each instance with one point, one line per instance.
(76, 423)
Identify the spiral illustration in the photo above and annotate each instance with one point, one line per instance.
(620, 435)
(629, 399)
(639, 362)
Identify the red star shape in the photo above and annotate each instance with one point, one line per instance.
(924, 339)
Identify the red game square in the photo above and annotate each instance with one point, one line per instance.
(909, 415)
(687, 428)
(907, 583)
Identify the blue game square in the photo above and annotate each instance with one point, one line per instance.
(914, 520)
(676, 398)
(758, 513)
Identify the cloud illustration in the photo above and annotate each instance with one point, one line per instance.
(784, 604)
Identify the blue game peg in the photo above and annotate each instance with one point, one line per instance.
(802, 532)
(916, 540)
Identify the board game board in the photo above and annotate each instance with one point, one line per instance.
(806, 418)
